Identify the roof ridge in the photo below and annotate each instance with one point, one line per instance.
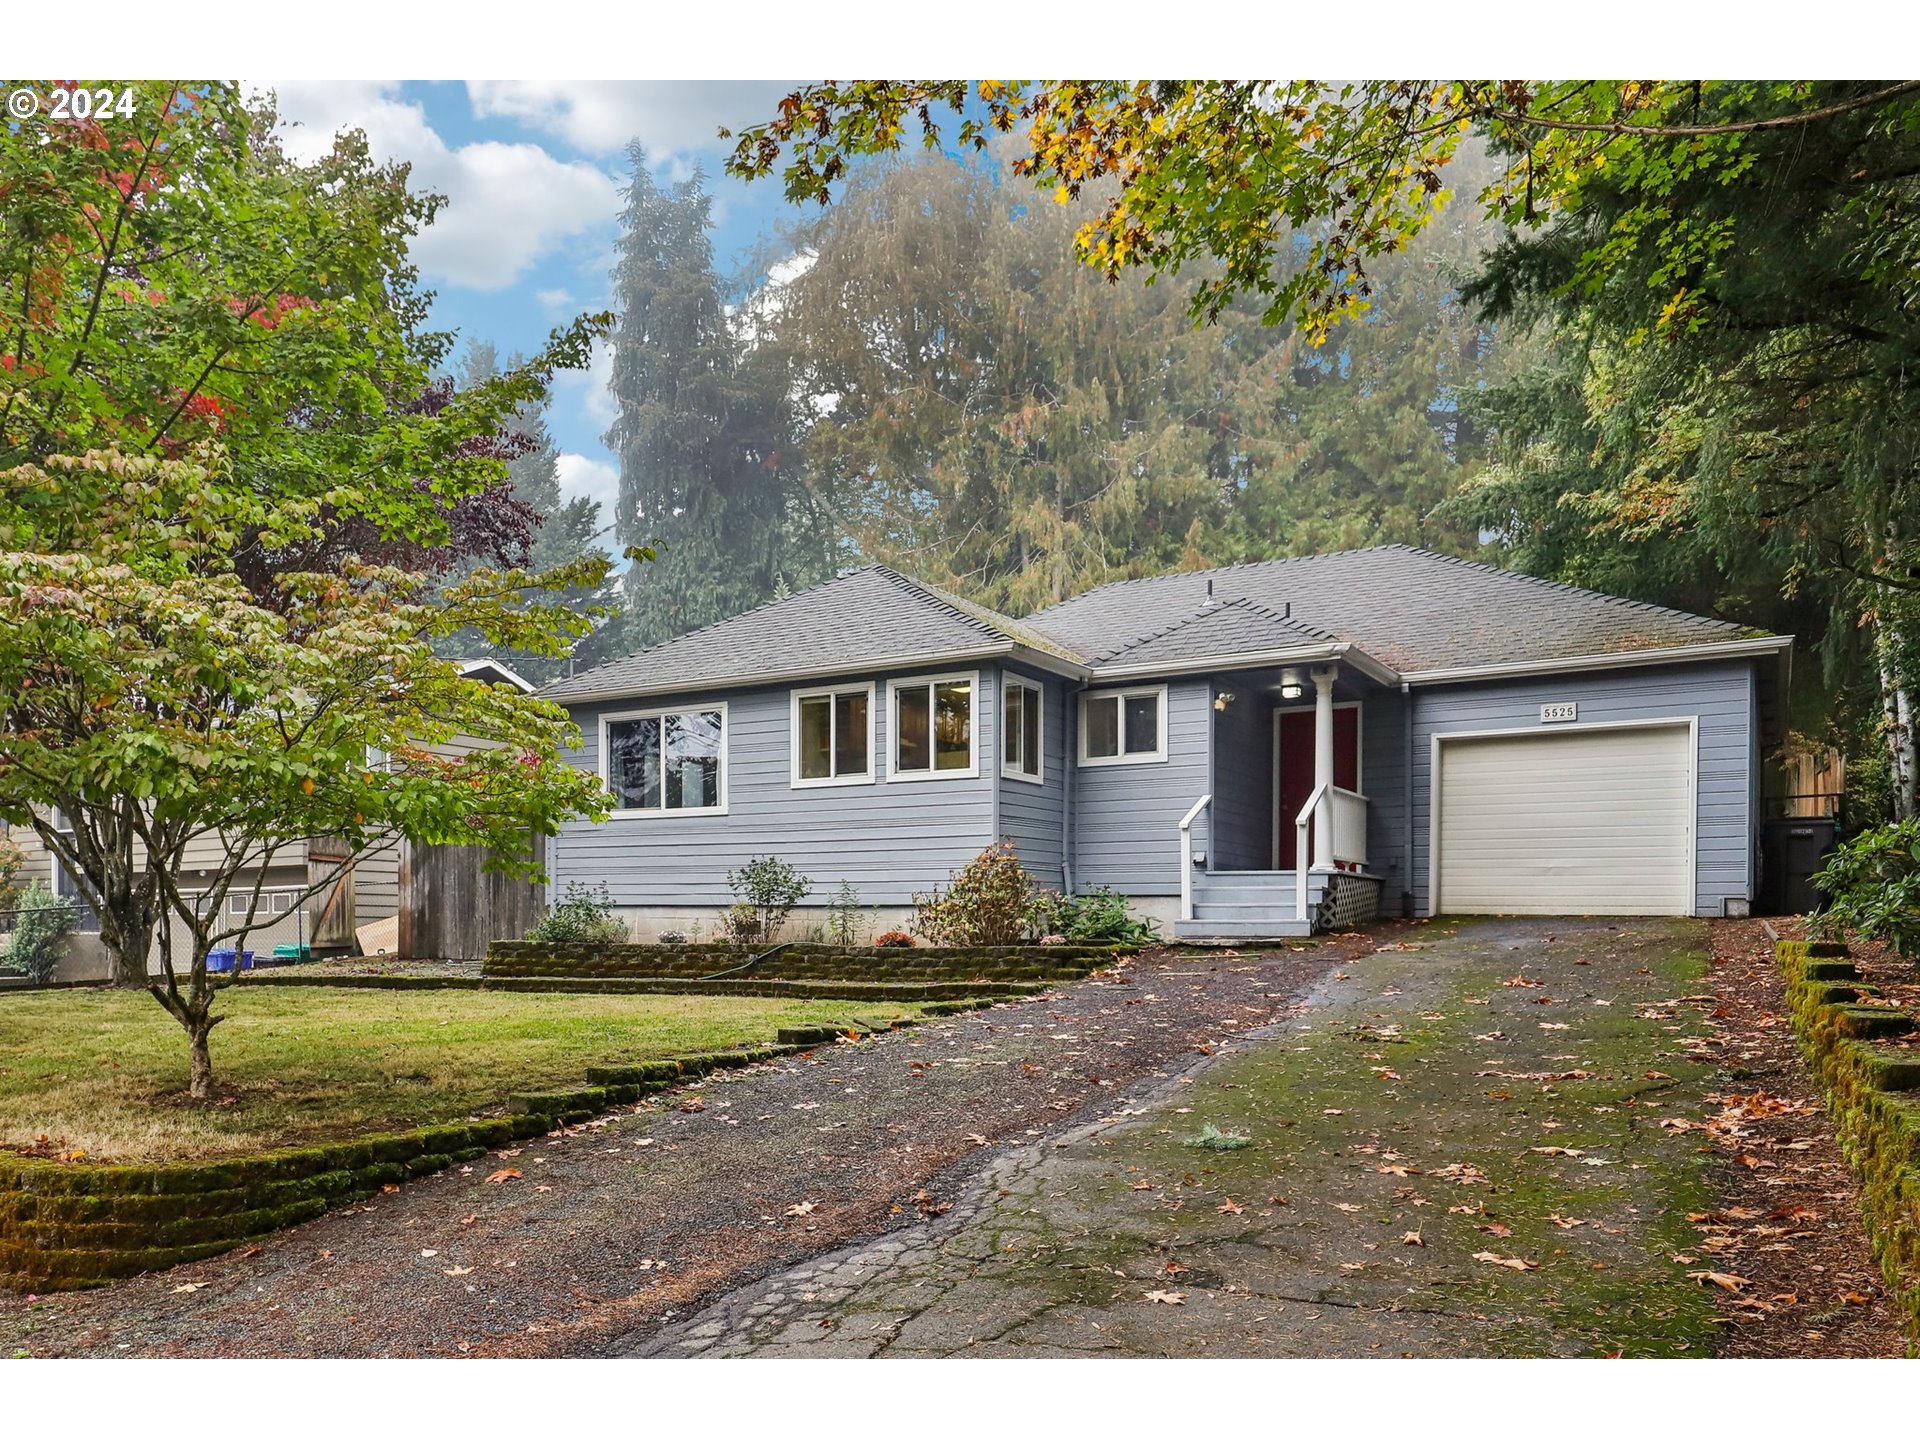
(1235, 565)
(985, 617)
(1214, 608)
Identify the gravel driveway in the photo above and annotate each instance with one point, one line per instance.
(612, 1231)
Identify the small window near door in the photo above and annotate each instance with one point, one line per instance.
(1123, 727)
(933, 728)
(833, 736)
(1020, 730)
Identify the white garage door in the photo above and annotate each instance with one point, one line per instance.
(1589, 822)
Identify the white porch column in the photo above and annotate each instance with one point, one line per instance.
(1323, 764)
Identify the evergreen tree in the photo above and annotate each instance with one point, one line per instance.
(702, 435)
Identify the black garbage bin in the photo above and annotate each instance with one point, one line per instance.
(1791, 850)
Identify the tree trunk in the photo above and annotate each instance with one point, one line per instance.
(200, 1083)
(1896, 703)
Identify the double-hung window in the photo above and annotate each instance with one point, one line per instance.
(666, 762)
(833, 736)
(1021, 720)
(933, 731)
(1123, 727)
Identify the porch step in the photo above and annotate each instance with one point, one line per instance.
(1211, 909)
(1270, 928)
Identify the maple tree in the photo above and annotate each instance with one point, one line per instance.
(161, 705)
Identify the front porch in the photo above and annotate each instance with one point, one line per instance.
(1278, 846)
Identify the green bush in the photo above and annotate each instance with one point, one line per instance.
(1097, 917)
(765, 890)
(847, 919)
(12, 857)
(894, 940)
(584, 917)
(1874, 884)
(987, 903)
(40, 922)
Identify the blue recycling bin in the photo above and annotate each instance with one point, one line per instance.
(220, 962)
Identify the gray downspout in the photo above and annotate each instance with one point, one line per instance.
(1069, 752)
(1406, 798)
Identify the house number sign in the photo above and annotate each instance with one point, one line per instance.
(1563, 710)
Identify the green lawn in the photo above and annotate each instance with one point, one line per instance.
(104, 1071)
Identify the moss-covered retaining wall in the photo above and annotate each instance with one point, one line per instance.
(798, 962)
(1873, 1091)
(70, 1226)
(908, 992)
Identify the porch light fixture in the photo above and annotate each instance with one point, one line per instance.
(1292, 686)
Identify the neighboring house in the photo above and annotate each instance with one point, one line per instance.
(1259, 750)
(374, 888)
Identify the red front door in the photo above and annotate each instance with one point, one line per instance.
(1294, 773)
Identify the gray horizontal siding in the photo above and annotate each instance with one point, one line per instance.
(1126, 828)
(889, 838)
(1383, 774)
(1030, 815)
(1719, 695)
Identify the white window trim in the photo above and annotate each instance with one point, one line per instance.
(795, 779)
(726, 759)
(1008, 684)
(894, 687)
(1149, 757)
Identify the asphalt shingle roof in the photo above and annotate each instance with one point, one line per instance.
(1409, 608)
(865, 616)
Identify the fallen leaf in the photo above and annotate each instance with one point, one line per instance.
(805, 1207)
(468, 1219)
(428, 1254)
(251, 1251)
(1350, 1209)
(458, 1270)
(1166, 1297)
(1229, 1208)
(1412, 1237)
(1497, 1230)
(189, 1289)
(1720, 1278)
(1511, 1262)
(501, 1176)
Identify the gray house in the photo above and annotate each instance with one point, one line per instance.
(1260, 750)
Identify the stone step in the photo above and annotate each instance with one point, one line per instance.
(1271, 928)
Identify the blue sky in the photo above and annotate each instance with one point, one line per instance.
(532, 172)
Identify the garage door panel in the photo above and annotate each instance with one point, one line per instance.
(1593, 822)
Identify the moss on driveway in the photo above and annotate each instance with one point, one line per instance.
(1457, 1148)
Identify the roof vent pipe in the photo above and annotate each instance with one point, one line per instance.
(1207, 604)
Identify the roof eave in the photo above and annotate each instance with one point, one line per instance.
(1339, 650)
(916, 660)
(1750, 646)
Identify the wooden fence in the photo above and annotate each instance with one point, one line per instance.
(452, 908)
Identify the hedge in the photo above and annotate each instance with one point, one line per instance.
(1873, 1092)
(908, 992)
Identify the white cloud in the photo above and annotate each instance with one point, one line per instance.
(669, 117)
(554, 299)
(583, 475)
(507, 205)
(593, 385)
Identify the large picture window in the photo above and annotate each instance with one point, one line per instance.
(672, 760)
(1123, 727)
(833, 736)
(933, 727)
(1021, 716)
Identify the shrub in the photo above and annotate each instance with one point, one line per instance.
(1874, 882)
(1098, 917)
(742, 925)
(769, 887)
(894, 940)
(41, 921)
(12, 857)
(584, 917)
(986, 904)
(847, 921)
(673, 937)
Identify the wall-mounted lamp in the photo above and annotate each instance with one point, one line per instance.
(1223, 700)
(1292, 685)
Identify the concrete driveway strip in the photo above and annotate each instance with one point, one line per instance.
(1458, 1149)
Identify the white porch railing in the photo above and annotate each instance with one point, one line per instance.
(1349, 842)
(1186, 854)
